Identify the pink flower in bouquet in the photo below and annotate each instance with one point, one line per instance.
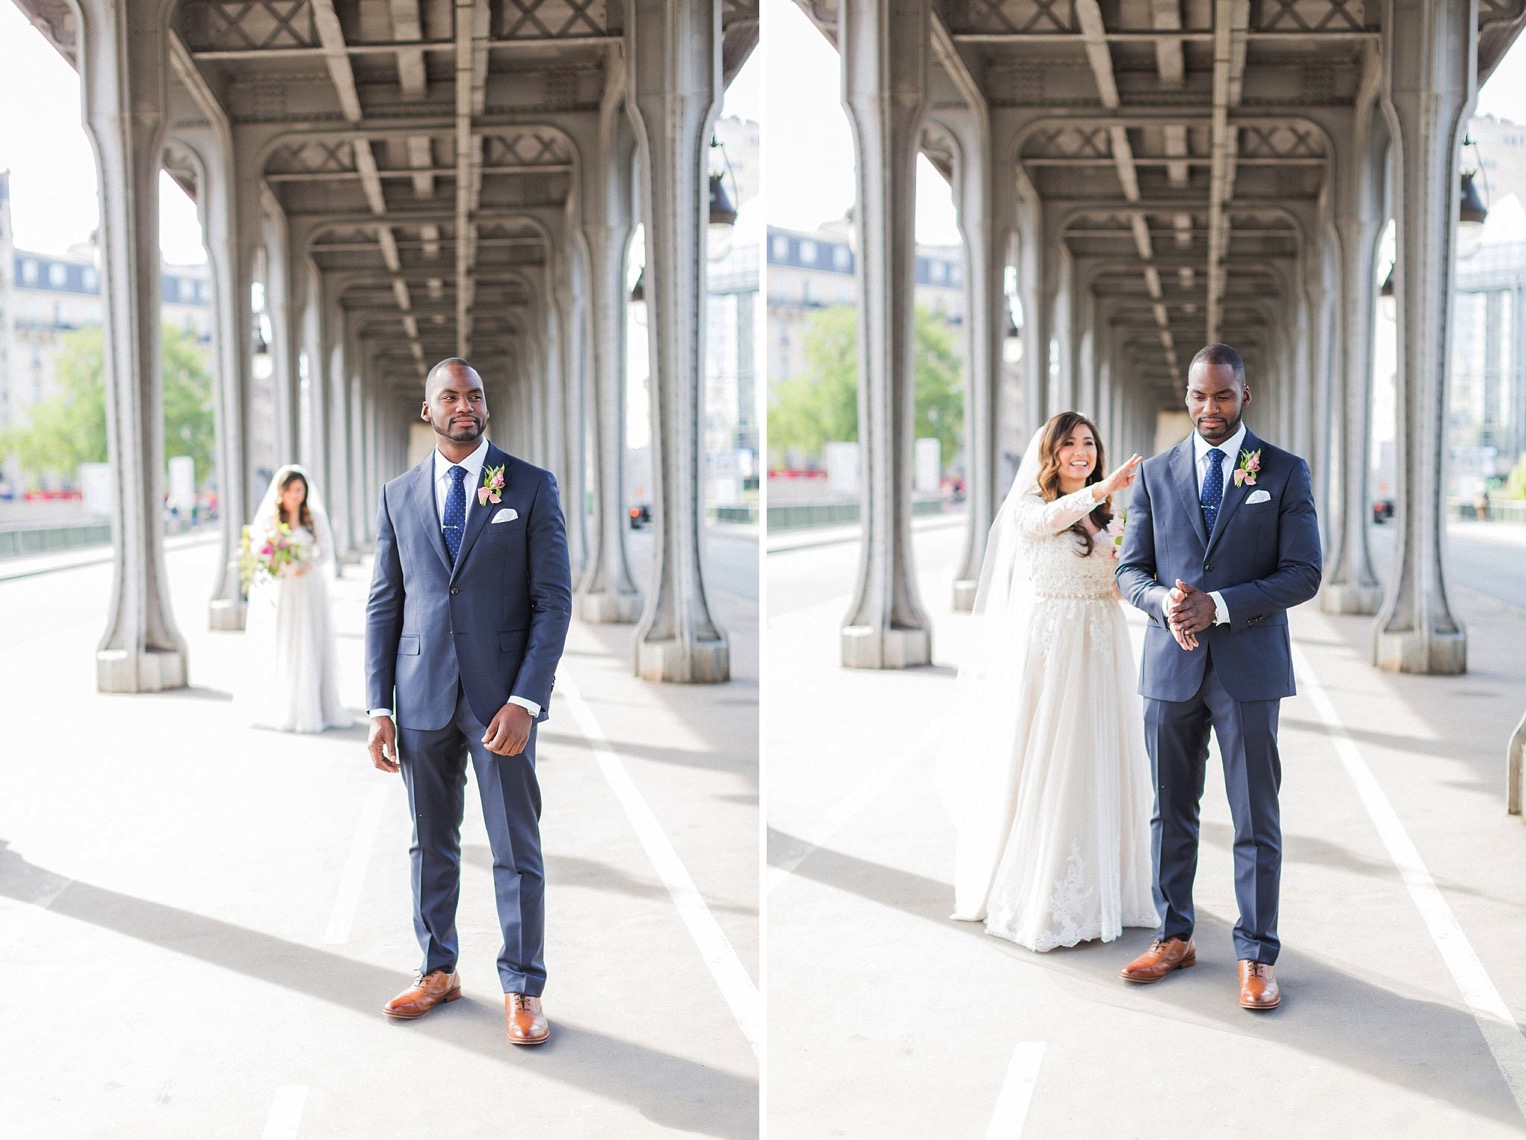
(1115, 530)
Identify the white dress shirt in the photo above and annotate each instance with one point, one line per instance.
(1200, 449)
(473, 464)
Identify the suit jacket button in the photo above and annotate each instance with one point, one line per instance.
(1208, 568)
(455, 589)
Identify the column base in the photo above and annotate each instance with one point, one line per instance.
(227, 614)
(139, 671)
(606, 608)
(1441, 654)
(868, 647)
(697, 662)
(1346, 598)
(964, 594)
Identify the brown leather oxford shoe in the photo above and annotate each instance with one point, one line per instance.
(1159, 960)
(527, 1020)
(426, 993)
(1258, 985)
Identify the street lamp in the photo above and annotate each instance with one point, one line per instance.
(1470, 218)
(722, 215)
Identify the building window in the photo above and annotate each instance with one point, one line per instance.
(90, 280)
(29, 272)
(781, 248)
(58, 275)
(808, 252)
(939, 270)
(842, 257)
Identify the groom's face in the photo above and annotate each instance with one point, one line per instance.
(456, 406)
(1216, 398)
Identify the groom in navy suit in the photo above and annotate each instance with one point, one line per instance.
(469, 608)
(1221, 541)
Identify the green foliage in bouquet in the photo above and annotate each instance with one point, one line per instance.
(264, 559)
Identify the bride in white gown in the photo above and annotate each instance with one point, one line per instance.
(290, 678)
(1044, 770)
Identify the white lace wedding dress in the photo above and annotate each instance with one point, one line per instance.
(290, 677)
(1054, 836)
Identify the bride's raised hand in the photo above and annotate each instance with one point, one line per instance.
(1121, 477)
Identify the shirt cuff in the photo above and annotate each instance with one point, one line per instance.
(524, 703)
(378, 712)
(1220, 610)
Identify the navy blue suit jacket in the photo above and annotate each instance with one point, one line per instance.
(1263, 557)
(496, 621)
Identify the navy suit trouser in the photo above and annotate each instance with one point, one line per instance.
(434, 770)
(1176, 734)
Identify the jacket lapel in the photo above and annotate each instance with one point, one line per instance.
(1233, 495)
(1185, 478)
(477, 513)
(421, 505)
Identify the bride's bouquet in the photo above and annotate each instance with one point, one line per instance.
(266, 559)
(1115, 530)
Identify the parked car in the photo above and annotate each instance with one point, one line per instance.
(1382, 510)
(641, 515)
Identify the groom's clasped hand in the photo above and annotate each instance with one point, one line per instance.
(1189, 612)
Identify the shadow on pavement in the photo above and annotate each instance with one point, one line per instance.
(668, 1090)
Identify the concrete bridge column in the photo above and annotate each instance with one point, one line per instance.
(281, 303)
(125, 74)
(985, 201)
(673, 85)
(217, 193)
(1033, 256)
(335, 387)
(569, 434)
(1351, 585)
(1429, 83)
(884, 58)
(1515, 438)
(606, 593)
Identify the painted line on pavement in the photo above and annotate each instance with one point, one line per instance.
(285, 1113)
(1489, 1010)
(354, 877)
(1016, 1092)
(730, 975)
(829, 824)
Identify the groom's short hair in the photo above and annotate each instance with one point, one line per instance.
(448, 363)
(1219, 354)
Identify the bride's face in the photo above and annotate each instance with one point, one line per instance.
(1077, 456)
(292, 495)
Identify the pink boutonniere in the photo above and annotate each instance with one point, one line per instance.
(1250, 464)
(491, 490)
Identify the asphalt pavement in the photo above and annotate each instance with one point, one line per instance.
(1402, 909)
(201, 920)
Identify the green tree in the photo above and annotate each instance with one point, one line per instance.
(821, 404)
(69, 427)
(1515, 483)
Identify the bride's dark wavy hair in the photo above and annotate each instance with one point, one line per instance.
(304, 516)
(1059, 428)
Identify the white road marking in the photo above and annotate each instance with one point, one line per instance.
(730, 975)
(354, 877)
(818, 835)
(1016, 1092)
(1489, 1010)
(285, 1113)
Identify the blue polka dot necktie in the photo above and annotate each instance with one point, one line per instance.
(1213, 488)
(455, 511)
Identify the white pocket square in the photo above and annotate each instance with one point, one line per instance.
(1258, 497)
(507, 514)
